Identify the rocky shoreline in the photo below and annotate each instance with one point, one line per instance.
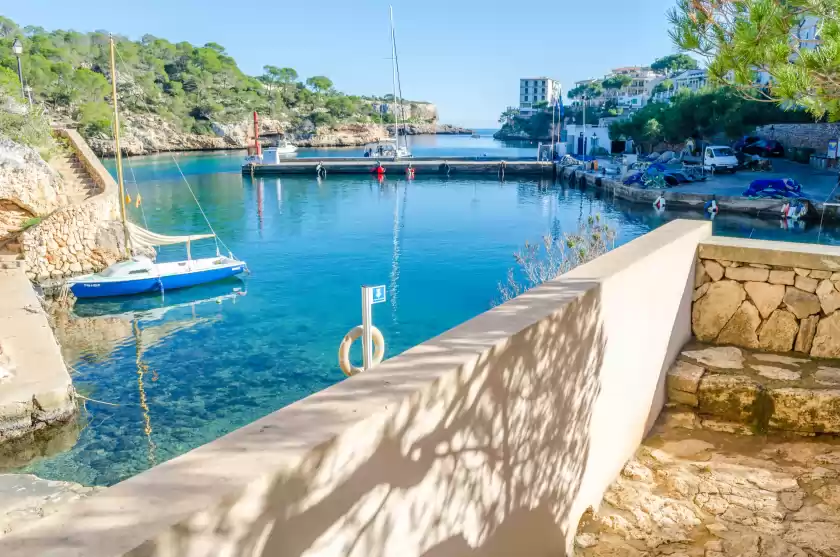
(147, 134)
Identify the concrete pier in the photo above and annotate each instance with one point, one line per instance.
(35, 387)
(422, 167)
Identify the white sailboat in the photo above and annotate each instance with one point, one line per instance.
(398, 151)
(139, 274)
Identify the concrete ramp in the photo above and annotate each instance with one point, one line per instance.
(35, 387)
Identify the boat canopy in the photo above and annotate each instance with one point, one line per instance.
(140, 237)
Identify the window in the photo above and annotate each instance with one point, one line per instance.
(542, 98)
(138, 272)
(723, 152)
(526, 98)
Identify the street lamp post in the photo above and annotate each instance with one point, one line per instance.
(17, 48)
(28, 90)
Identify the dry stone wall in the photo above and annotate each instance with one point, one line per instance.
(774, 308)
(77, 238)
(815, 136)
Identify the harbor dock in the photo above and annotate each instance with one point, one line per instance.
(421, 166)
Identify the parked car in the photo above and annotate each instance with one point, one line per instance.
(745, 141)
(766, 148)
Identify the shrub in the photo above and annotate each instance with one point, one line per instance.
(95, 118)
(538, 263)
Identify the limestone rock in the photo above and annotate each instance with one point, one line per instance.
(725, 427)
(684, 377)
(700, 292)
(741, 329)
(806, 283)
(713, 269)
(827, 376)
(766, 297)
(747, 274)
(721, 357)
(776, 358)
(829, 296)
(820, 537)
(819, 275)
(711, 312)
(801, 272)
(777, 373)
(782, 277)
(805, 410)
(778, 333)
(805, 337)
(701, 277)
(827, 339)
(801, 303)
(684, 420)
(728, 396)
(682, 397)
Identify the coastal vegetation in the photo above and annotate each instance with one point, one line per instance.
(191, 87)
(740, 38)
(705, 114)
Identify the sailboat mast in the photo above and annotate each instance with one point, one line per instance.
(394, 79)
(117, 150)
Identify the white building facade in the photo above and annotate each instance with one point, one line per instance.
(536, 90)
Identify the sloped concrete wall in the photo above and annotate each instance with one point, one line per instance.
(491, 439)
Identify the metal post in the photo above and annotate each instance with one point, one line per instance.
(367, 323)
(584, 125)
(20, 77)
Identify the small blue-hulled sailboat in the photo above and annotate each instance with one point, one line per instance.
(139, 274)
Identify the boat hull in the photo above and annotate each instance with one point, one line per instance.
(101, 289)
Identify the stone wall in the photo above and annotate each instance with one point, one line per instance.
(773, 296)
(77, 238)
(815, 136)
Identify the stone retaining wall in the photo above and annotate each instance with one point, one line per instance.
(78, 238)
(774, 296)
(815, 136)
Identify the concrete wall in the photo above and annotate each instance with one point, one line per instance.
(78, 238)
(491, 439)
(815, 136)
(776, 296)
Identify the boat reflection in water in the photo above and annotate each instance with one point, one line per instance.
(146, 321)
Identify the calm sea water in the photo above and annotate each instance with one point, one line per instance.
(199, 363)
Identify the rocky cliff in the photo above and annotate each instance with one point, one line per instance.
(28, 187)
(144, 134)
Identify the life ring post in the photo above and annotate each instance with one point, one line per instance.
(371, 336)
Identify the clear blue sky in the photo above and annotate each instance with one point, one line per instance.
(464, 55)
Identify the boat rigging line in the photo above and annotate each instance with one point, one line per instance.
(216, 238)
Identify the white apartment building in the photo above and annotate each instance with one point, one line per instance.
(534, 90)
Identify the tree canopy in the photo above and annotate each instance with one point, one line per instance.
(740, 38)
(703, 115)
(674, 63)
(188, 85)
(617, 81)
(590, 90)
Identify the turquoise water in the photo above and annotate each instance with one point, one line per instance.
(215, 358)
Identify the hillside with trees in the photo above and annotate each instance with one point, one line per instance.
(188, 89)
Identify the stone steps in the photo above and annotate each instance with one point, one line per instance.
(724, 388)
(11, 261)
(78, 184)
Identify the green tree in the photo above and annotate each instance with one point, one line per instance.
(319, 84)
(590, 90)
(674, 63)
(95, 118)
(663, 86)
(617, 82)
(509, 115)
(740, 38)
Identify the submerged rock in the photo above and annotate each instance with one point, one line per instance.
(25, 498)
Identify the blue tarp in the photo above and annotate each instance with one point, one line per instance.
(777, 188)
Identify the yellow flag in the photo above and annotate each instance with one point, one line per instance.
(128, 198)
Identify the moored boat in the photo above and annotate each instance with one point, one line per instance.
(139, 274)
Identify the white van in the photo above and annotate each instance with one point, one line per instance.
(719, 157)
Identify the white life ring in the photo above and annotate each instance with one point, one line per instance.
(659, 204)
(344, 349)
